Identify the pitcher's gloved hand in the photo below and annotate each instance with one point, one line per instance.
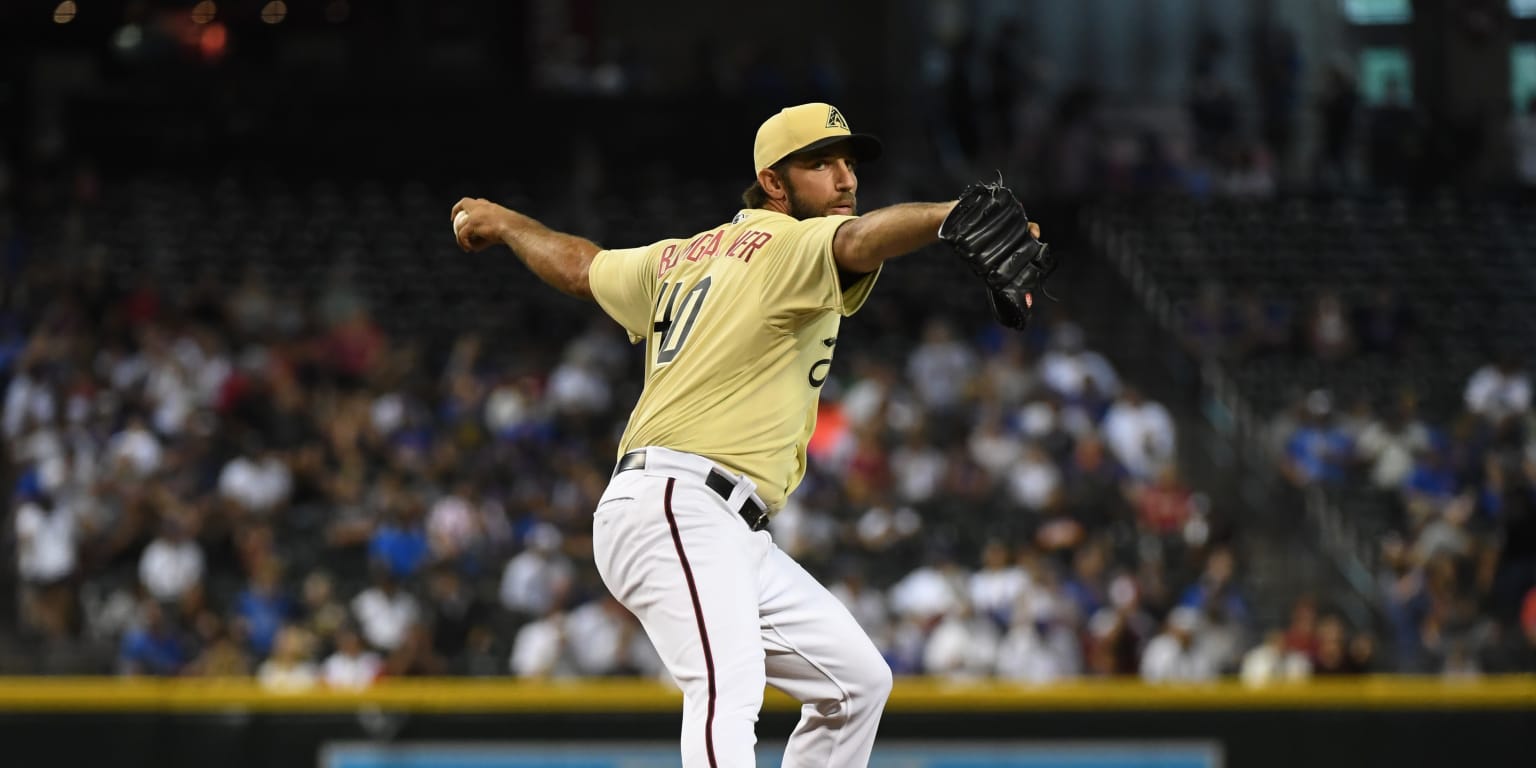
(990, 233)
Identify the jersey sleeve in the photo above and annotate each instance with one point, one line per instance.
(623, 281)
(801, 276)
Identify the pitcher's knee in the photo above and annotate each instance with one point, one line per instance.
(865, 687)
(878, 681)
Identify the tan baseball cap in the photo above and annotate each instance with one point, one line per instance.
(806, 127)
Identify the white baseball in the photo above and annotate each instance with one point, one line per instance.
(458, 221)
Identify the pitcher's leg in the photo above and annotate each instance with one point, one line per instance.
(819, 654)
(690, 574)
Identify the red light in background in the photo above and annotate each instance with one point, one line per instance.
(214, 39)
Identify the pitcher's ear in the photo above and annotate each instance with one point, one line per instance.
(772, 183)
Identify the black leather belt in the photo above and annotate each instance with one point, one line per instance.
(755, 514)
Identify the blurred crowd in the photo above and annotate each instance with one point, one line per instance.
(1457, 564)
(234, 479)
(1435, 473)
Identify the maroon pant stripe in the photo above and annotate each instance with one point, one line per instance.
(698, 615)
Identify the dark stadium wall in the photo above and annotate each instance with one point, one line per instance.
(1317, 738)
(1461, 79)
(1385, 722)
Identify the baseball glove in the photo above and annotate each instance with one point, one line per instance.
(990, 233)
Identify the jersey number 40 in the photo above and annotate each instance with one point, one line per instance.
(669, 320)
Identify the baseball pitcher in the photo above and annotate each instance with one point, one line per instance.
(740, 324)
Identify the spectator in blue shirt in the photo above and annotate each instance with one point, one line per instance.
(400, 544)
(1430, 486)
(1215, 590)
(263, 608)
(1088, 586)
(1318, 452)
(153, 647)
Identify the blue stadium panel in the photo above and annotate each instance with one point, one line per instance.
(1075, 755)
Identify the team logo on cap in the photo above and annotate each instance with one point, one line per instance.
(835, 119)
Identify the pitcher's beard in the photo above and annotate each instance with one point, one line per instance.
(802, 210)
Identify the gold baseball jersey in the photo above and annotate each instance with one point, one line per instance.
(740, 323)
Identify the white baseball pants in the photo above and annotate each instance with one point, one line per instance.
(729, 612)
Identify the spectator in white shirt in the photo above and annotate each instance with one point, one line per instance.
(1390, 445)
(538, 578)
(120, 367)
(39, 443)
(866, 398)
(1035, 482)
(577, 385)
(135, 450)
(289, 668)
(1499, 389)
(453, 524)
(932, 590)
(46, 557)
(539, 649)
(509, 408)
(169, 384)
(172, 563)
(1176, 655)
(352, 666)
(1054, 422)
(941, 367)
(1068, 365)
(28, 400)
(384, 612)
(881, 527)
(918, 467)
(1041, 646)
(212, 366)
(259, 481)
(997, 587)
(45, 541)
(70, 477)
(992, 446)
(963, 645)
(1271, 661)
(1140, 432)
(605, 639)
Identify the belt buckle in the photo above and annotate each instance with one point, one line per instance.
(760, 517)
